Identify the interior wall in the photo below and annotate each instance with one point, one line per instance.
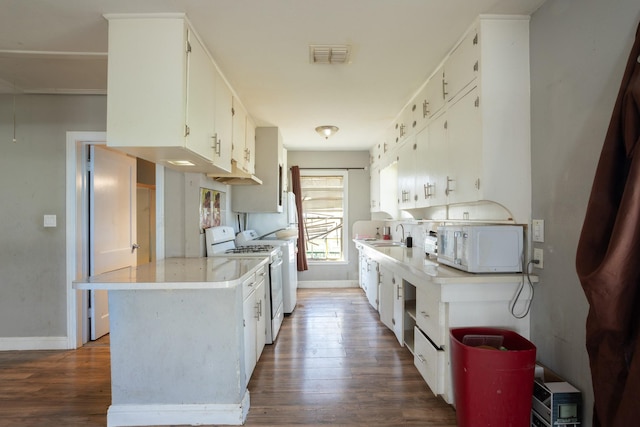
(578, 54)
(32, 183)
(358, 206)
(183, 236)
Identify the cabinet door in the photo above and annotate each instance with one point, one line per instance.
(250, 331)
(386, 297)
(372, 283)
(465, 148)
(223, 123)
(430, 314)
(200, 101)
(463, 65)
(434, 98)
(398, 311)
(262, 316)
(374, 188)
(406, 174)
(389, 189)
(422, 174)
(250, 146)
(437, 160)
(239, 119)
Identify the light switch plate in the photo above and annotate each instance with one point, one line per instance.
(50, 221)
(537, 226)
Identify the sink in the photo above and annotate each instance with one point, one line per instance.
(387, 244)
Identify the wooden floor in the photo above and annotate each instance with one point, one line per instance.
(333, 363)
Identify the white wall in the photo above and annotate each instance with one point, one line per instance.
(358, 208)
(32, 183)
(578, 53)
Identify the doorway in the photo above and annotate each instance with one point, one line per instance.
(77, 226)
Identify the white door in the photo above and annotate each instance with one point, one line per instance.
(112, 225)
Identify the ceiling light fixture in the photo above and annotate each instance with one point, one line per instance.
(326, 131)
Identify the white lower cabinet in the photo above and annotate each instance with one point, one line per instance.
(420, 308)
(430, 361)
(386, 298)
(254, 320)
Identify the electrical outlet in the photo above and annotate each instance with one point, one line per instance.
(538, 256)
(537, 226)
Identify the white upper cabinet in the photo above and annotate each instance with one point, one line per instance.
(475, 143)
(162, 94)
(244, 138)
(462, 66)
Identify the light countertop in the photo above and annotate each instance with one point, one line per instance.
(415, 261)
(177, 273)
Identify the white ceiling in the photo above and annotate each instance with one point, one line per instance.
(262, 47)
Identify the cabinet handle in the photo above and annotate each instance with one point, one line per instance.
(475, 40)
(425, 109)
(477, 184)
(425, 314)
(476, 67)
(187, 131)
(398, 296)
(402, 131)
(422, 359)
(385, 147)
(427, 190)
(448, 189)
(257, 316)
(218, 149)
(444, 89)
(476, 103)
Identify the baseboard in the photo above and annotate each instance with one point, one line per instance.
(312, 284)
(191, 414)
(33, 343)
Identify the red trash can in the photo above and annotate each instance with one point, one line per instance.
(492, 372)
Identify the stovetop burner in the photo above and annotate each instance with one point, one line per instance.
(250, 249)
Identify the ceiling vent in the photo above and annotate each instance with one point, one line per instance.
(329, 54)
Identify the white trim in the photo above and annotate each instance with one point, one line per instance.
(188, 414)
(33, 343)
(75, 140)
(324, 284)
(345, 208)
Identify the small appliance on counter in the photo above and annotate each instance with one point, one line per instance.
(431, 244)
(481, 248)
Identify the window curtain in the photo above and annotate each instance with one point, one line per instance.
(297, 191)
(607, 261)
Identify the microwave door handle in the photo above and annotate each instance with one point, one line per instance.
(456, 257)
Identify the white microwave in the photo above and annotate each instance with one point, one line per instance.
(481, 248)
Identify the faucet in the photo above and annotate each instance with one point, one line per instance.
(402, 227)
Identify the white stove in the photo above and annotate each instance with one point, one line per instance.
(289, 264)
(221, 243)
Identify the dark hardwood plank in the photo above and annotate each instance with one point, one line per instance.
(333, 363)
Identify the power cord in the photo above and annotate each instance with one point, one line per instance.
(525, 272)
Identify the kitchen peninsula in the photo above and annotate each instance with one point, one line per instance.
(178, 339)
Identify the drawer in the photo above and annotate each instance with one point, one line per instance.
(261, 274)
(430, 362)
(248, 286)
(430, 314)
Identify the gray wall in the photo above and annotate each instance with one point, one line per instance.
(32, 183)
(358, 208)
(578, 53)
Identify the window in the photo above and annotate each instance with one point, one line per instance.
(324, 193)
